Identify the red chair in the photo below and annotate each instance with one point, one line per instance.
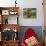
(29, 33)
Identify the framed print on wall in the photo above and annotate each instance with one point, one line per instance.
(29, 12)
(5, 12)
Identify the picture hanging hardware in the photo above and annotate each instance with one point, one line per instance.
(42, 3)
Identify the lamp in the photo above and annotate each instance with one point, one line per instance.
(15, 3)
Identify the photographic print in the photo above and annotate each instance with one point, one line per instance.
(5, 12)
(29, 12)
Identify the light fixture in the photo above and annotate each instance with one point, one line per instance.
(15, 2)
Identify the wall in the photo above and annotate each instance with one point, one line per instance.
(32, 22)
(7, 3)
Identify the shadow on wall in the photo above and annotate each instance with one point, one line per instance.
(37, 29)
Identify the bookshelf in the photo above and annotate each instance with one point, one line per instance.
(8, 25)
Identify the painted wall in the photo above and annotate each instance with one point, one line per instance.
(32, 22)
(7, 3)
(27, 4)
